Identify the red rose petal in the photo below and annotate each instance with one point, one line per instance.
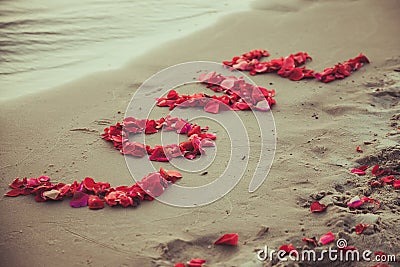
(17, 183)
(363, 168)
(376, 170)
(212, 107)
(196, 262)
(396, 184)
(388, 179)
(179, 264)
(360, 228)
(327, 238)
(359, 150)
(358, 171)
(317, 207)
(228, 239)
(355, 202)
(15, 192)
(288, 249)
(95, 203)
(88, 183)
(296, 75)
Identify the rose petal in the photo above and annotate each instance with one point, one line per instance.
(396, 184)
(327, 238)
(376, 170)
(17, 183)
(15, 192)
(360, 228)
(358, 171)
(355, 202)
(89, 183)
(388, 179)
(317, 207)
(288, 249)
(196, 262)
(79, 199)
(363, 168)
(212, 107)
(95, 203)
(228, 239)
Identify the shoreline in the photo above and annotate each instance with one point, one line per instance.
(142, 46)
(313, 155)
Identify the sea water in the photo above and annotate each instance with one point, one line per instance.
(45, 43)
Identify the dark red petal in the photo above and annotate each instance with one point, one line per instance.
(15, 192)
(17, 183)
(228, 239)
(360, 228)
(95, 203)
(296, 75)
(89, 183)
(317, 207)
(288, 248)
(376, 170)
(363, 168)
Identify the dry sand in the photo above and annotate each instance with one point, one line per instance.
(318, 126)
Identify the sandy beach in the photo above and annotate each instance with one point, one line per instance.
(57, 133)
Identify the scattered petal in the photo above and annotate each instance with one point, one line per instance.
(289, 249)
(355, 202)
(360, 228)
(388, 179)
(327, 238)
(358, 171)
(317, 207)
(396, 184)
(196, 262)
(363, 168)
(376, 171)
(228, 239)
